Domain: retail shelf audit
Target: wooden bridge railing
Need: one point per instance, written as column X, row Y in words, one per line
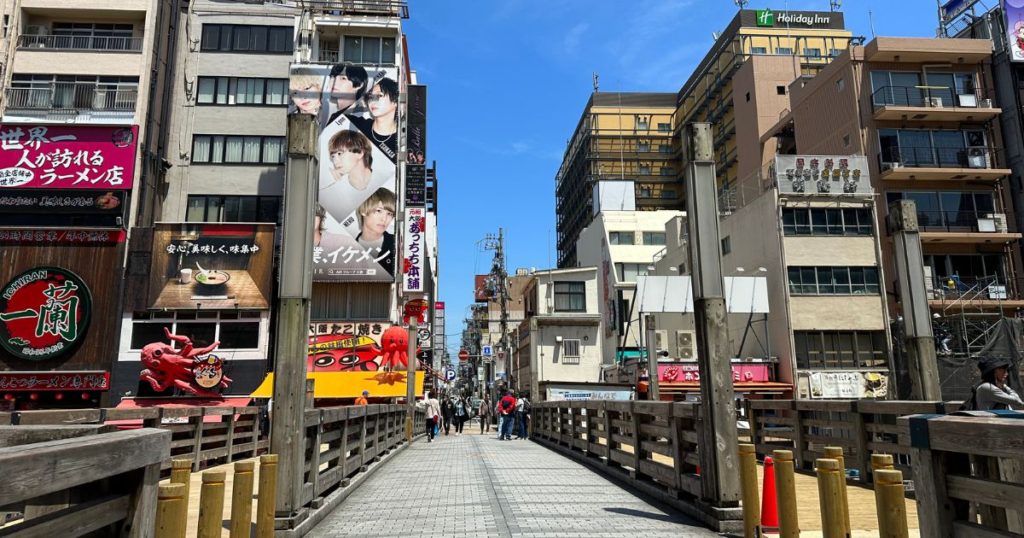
column 651, row 445
column 960, row 461
column 73, row 481
column 861, row 427
column 206, row 435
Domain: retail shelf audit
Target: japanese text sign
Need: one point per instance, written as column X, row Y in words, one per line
column 44, row 313
column 67, row 157
column 414, row 250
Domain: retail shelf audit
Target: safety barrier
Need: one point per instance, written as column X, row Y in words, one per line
column 78, row 480
column 205, row 435
column 650, row 446
column 860, row 427
column 968, row 473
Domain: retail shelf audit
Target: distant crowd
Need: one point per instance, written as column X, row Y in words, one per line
column 512, row 413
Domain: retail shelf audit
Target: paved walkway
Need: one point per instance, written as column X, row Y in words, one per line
column 475, row 485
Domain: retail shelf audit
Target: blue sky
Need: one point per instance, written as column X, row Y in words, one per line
column 508, row 80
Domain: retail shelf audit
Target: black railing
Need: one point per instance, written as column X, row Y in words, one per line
column 394, row 8
column 939, row 157
column 74, row 42
column 961, row 221
column 74, row 96
column 930, row 97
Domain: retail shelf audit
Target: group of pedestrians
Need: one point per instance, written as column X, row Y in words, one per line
column 451, row 410
column 513, row 416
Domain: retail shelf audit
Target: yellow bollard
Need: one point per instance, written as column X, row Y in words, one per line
column 881, row 461
column 181, row 473
column 836, row 453
column 268, row 491
column 211, row 504
column 171, row 507
column 785, row 494
column 241, row 499
column 751, row 502
column 892, row 510
column 830, row 492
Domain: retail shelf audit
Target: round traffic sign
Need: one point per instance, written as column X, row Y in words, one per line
column 463, row 355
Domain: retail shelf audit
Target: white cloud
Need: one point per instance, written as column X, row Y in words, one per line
column 571, row 41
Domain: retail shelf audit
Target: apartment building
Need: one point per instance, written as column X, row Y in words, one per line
column 922, row 112
column 796, row 42
column 620, row 138
column 84, row 111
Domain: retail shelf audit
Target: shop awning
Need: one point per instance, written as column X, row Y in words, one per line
column 350, row 384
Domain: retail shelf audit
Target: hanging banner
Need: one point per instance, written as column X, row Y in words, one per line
column 414, row 253
column 67, row 157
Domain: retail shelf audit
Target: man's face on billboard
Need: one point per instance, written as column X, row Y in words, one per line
column 345, row 160
column 380, row 104
column 344, row 91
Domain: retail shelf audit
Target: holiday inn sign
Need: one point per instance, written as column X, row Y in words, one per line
column 768, row 18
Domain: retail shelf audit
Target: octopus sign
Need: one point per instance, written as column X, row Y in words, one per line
column 67, row 157
column 44, row 313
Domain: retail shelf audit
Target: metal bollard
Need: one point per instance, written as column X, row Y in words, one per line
column 785, row 492
column 241, row 499
column 836, row 453
column 892, row 510
column 211, row 504
column 881, row 461
column 171, row 508
column 751, row 503
column 181, row 473
column 830, row 492
column 267, row 496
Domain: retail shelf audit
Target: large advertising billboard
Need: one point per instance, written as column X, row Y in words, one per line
column 1014, row 10
column 67, row 157
column 354, row 223
column 834, row 175
column 210, row 266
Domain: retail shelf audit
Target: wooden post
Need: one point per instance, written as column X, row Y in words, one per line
column 935, row 513
column 836, row 453
column 830, row 491
column 211, row 504
column 860, row 439
column 343, row 423
column 608, row 435
column 889, row 503
column 785, row 494
column 230, row 444
column 751, row 502
column 798, row 437
column 241, row 499
column 267, row 493
column 635, row 439
column 880, row 462
column 181, row 473
column 197, row 444
column 171, row 511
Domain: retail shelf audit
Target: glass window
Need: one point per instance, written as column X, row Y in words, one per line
column 211, row 37
column 665, row 127
column 570, row 297
column 201, row 149
column 840, row 349
column 196, row 209
column 147, row 333
column 353, row 49
column 207, row 88
column 758, row 50
column 643, row 147
column 280, row 39
column 371, row 50
column 812, row 52
column 654, row 238
column 784, row 50
column 387, row 50
column 239, row 335
column 621, row 238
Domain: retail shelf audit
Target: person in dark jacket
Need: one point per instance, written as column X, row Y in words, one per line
column 447, row 412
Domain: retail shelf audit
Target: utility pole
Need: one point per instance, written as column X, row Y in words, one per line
column 499, row 285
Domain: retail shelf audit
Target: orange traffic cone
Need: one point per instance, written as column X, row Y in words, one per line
column 769, row 506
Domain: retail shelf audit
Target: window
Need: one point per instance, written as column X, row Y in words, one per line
column 246, row 38
column 212, row 208
column 242, row 91
column 668, row 194
column 726, row 245
column 665, row 127
column 233, row 149
column 781, row 90
column 570, row 297
column 834, row 52
column 233, row 329
column 645, row 169
column 643, row 147
column 840, row 349
column 833, row 280
column 571, row 351
column 621, row 238
column 812, row 53
column 369, row 50
column 654, row 238
column 642, row 123
column 667, row 171
column 629, row 271
column 95, row 36
column 826, row 221
column 758, row 50
column 784, row 50
column 948, row 210
column 644, row 192
column 665, row 148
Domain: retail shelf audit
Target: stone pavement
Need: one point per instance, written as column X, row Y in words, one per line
column 475, row 485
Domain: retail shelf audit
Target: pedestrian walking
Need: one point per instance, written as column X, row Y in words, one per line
column 461, row 414
column 522, row 411
column 506, row 410
column 993, row 392
column 447, row 412
column 361, row 400
column 433, row 410
column 485, row 415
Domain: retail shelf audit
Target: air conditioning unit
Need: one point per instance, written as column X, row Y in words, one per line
column 660, row 341
column 985, row 103
column 977, row 158
column 934, row 102
column 686, row 344
column 967, row 100
column 1000, row 221
column 887, row 166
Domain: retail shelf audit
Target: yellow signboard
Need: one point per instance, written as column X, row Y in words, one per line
column 350, row 384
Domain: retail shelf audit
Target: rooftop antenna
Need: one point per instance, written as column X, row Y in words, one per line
column 742, row 4
column 871, row 23
column 596, row 84
column 835, row 5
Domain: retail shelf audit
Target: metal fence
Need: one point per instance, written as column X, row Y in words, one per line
column 73, row 96
column 81, row 42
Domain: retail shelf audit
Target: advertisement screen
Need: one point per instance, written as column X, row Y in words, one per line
column 1014, row 10
column 67, row 157
column 212, row 266
column 354, row 222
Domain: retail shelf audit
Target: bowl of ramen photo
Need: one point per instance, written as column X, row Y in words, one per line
column 208, row 278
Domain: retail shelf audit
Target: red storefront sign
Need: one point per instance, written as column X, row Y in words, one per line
column 44, row 313
column 54, row 381
column 690, row 373
column 67, row 157
column 62, row 236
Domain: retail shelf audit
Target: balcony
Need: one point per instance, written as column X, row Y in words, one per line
column 932, row 103
column 974, row 293
column 71, row 101
column 81, row 43
column 964, row 227
column 390, row 8
column 938, row 163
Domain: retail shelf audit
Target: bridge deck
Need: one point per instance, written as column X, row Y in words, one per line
column 474, row 485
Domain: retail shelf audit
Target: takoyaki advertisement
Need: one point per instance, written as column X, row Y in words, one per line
column 354, row 222
column 346, row 346
column 212, row 266
column 849, row 385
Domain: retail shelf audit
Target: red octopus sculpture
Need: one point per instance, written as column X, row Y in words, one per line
column 166, row 367
column 395, row 357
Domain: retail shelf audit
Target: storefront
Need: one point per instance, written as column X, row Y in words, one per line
column 680, row 381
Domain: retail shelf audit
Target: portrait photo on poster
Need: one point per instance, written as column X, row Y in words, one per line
column 354, row 221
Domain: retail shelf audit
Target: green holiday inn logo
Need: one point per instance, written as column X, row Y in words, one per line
column 765, row 17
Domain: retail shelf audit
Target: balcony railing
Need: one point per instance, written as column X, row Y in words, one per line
column 394, row 8
column 962, row 221
column 68, row 42
column 939, row 157
column 930, row 97
column 328, row 56
column 74, row 96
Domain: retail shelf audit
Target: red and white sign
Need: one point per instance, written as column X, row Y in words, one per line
column 439, row 305
column 67, row 157
column 688, row 372
column 99, row 380
column 463, row 355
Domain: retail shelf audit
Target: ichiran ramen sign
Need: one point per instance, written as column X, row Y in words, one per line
column 44, row 313
column 823, row 174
